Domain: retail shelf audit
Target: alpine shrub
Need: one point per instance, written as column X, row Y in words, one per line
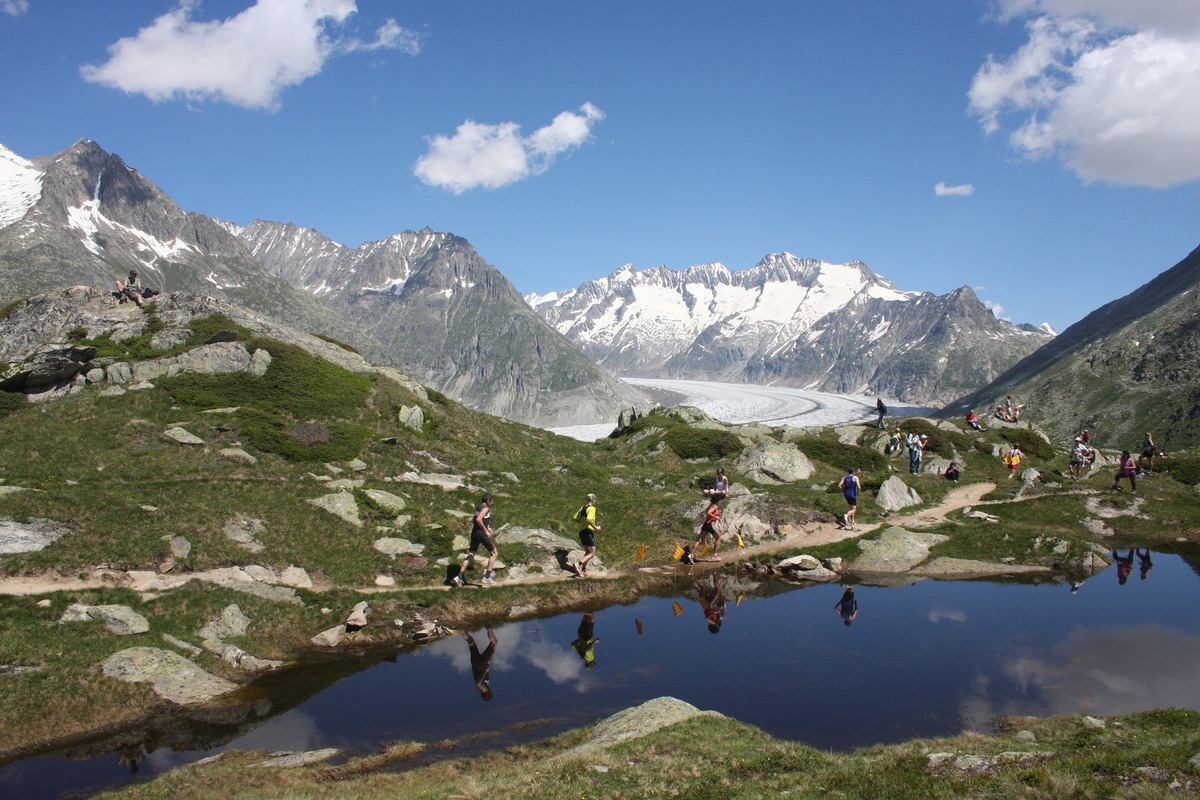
column 702, row 442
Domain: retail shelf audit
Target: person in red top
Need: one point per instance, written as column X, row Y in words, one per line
column 712, row 519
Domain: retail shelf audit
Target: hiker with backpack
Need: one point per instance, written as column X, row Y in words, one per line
column 587, row 535
column 882, row 409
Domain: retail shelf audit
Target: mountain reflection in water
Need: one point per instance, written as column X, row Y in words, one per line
column 928, row 659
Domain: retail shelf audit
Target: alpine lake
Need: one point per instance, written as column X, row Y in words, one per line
column 926, row 659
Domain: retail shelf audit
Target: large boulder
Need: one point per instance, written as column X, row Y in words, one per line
column 169, row 674
column 896, row 550
column 894, row 494
column 772, row 463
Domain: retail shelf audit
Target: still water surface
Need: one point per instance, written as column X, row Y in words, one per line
column 929, row 659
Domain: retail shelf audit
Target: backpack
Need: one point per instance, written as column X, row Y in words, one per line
column 581, row 514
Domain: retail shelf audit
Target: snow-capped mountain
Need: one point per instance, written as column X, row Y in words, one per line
column 83, row 216
column 787, row 320
column 432, row 300
column 426, row 302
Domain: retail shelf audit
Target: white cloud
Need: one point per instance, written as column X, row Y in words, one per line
column 14, row 7
column 492, row 156
column 246, row 60
column 997, row 310
column 943, row 189
column 1110, row 87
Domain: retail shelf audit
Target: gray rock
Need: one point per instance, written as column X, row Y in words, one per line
column 341, row 504
column 894, row 494
column 773, row 463
column 170, row 675
column 803, row 561
column 358, row 615
column 636, row 722
column 121, row 620
column 245, row 531
column 896, row 550
column 232, row 623
column 238, row 454
column 1095, row 722
column 30, row 536
column 395, row 546
column 390, row 503
column 259, row 362
column 118, row 373
column 182, row 436
column 181, row 548
column 330, row 637
column 186, row 647
column 304, row 759
column 412, row 417
column 295, row 577
column 356, row 465
column 166, row 339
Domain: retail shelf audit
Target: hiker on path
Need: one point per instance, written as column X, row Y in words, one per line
column 847, row 606
column 850, row 486
column 481, row 663
column 1125, row 469
column 712, row 602
column 585, row 641
column 882, row 409
column 587, row 535
column 1013, row 459
column 720, row 487
column 1079, row 457
column 481, row 535
column 710, row 527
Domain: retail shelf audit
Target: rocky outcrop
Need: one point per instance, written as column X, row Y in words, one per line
column 773, row 463
column 636, row 722
column 170, row 675
column 118, row 619
column 894, row 494
column 896, row 550
column 29, row 536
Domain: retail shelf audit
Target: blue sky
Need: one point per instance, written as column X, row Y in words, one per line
column 567, row 139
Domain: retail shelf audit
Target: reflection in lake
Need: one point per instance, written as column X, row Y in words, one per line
column 928, row 659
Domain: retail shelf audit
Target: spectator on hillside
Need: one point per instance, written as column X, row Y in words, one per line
column 1081, row 455
column 720, row 488
column 916, row 447
column 1149, row 449
column 131, row 288
column 882, row 409
column 953, row 473
column 973, row 420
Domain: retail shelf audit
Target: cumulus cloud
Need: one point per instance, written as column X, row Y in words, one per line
column 997, row 310
column 491, row 156
column 247, row 60
column 14, row 7
column 943, row 189
column 1110, row 87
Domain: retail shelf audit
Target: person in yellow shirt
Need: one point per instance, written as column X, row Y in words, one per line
column 587, row 535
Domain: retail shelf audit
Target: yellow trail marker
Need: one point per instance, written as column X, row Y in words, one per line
column 641, row 552
column 739, row 540
column 678, row 609
column 705, row 550
column 678, row 552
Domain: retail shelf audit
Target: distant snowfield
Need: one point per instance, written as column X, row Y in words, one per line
column 744, row 402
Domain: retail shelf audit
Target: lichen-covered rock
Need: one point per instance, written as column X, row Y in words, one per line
column 340, row 504
column 896, row 550
column 170, row 675
column 772, row 463
column 894, row 494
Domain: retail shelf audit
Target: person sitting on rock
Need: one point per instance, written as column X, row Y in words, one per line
column 973, row 420
column 953, row 473
column 131, row 288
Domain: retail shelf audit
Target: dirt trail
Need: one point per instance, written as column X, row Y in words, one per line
column 809, row 535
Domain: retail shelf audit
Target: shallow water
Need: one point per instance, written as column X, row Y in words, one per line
column 929, row 659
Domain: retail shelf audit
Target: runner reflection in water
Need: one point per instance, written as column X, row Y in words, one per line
column 847, row 607
column 1124, row 566
column 1144, row 563
column 585, row 644
column 481, row 663
column 712, row 601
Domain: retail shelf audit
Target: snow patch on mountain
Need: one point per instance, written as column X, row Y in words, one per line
column 20, row 186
